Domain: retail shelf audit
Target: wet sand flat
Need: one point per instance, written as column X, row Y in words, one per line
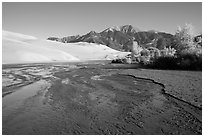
column 93, row 99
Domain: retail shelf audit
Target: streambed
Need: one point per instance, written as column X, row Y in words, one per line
column 83, row 100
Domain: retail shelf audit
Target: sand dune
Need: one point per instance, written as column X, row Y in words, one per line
column 19, row 48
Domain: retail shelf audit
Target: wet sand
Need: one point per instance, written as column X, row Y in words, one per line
column 93, row 99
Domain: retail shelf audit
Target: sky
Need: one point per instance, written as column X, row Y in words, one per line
column 43, row 20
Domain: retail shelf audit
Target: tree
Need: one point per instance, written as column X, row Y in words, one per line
column 136, row 48
column 184, row 38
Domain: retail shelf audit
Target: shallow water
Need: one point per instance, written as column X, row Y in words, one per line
column 18, row 97
column 23, row 106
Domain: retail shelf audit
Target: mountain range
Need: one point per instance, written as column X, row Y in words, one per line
column 122, row 38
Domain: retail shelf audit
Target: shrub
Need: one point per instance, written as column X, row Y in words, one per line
column 191, row 59
column 144, row 60
column 125, row 60
column 145, row 52
column 165, row 62
column 117, row 61
column 187, row 60
column 168, row 52
column 154, row 52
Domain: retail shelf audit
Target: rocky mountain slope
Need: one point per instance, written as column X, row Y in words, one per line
column 122, row 38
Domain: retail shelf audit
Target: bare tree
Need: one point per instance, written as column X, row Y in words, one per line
column 184, row 38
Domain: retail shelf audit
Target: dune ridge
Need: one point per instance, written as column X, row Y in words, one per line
column 20, row 48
